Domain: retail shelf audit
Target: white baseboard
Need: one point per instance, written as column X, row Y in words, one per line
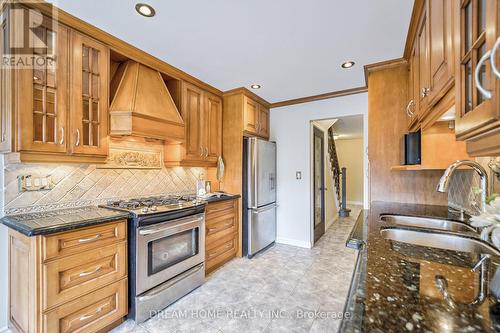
column 5, row 329
column 356, row 203
column 293, row 242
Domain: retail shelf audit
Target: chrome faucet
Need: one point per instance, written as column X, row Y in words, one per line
column 445, row 179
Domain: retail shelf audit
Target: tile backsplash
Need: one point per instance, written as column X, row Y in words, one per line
column 461, row 194
column 81, row 185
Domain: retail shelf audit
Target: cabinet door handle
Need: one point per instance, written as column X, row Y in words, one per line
column 408, row 107
column 206, row 152
column 82, row 274
column 485, row 92
column 62, row 136
column 85, row 317
column 77, row 143
column 201, row 151
column 493, row 59
column 90, row 239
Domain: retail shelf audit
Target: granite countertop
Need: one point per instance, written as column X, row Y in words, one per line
column 44, row 223
column 224, row 197
column 394, row 289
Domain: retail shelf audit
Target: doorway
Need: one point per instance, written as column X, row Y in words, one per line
column 319, row 183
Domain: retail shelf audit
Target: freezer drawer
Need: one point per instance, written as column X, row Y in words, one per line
column 261, row 228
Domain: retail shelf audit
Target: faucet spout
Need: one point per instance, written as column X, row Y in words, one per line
column 444, row 182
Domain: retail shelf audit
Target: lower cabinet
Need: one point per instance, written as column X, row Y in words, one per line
column 72, row 281
column 222, row 233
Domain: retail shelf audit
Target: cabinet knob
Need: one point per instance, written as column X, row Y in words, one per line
column 485, row 92
column 425, row 91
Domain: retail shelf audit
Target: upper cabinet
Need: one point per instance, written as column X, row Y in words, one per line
column 213, row 121
column 431, row 64
column 478, row 88
column 255, row 118
column 202, row 114
column 42, row 92
column 89, row 96
column 263, row 124
column 59, row 106
column 5, row 91
column 441, row 52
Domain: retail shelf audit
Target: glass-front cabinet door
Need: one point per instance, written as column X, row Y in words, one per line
column 41, row 94
column 89, row 96
column 477, row 88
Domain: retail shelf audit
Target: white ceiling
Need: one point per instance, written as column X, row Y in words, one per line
column 293, row 48
column 345, row 128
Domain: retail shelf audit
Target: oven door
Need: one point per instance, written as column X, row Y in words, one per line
column 167, row 249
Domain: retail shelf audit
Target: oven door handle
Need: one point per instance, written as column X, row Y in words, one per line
column 151, row 231
column 170, row 283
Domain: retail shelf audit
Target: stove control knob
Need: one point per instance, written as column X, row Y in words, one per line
column 145, row 210
column 154, row 208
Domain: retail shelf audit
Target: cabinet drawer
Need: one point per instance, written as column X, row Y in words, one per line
column 220, row 208
column 89, row 313
column 221, row 248
column 70, row 277
column 220, row 227
column 72, row 242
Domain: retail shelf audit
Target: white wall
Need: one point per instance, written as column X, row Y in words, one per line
column 4, row 267
column 291, row 129
column 350, row 153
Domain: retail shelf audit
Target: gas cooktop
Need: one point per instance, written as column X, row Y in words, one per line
column 153, row 205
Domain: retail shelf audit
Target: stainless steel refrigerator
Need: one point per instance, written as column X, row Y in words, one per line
column 259, row 195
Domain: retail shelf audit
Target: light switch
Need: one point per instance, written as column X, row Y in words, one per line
column 34, row 183
column 298, row 174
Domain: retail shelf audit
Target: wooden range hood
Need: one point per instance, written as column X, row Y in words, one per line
column 142, row 105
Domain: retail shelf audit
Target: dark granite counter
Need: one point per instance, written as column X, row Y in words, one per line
column 223, row 197
column 394, row 287
column 50, row 222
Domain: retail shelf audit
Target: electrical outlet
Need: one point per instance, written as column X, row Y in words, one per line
column 34, row 183
column 298, row 175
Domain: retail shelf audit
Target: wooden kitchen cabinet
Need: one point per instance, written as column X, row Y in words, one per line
column 202, row 115
column 221, row 234
column 89, row 96
column 59, row 107
column 255, row 118
column 250, row 116
column 263, row 123
column 42, row 97
column 213, row 124
column 5, row 89
column 73, row 281
column 430, row 64
column 478, row 116
column 413, row 103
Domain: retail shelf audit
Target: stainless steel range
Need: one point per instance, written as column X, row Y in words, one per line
column 166, row 251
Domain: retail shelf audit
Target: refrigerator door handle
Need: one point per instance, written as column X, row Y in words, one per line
column 263, row 209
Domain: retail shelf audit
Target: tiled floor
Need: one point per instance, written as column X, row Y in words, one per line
column 285, row 289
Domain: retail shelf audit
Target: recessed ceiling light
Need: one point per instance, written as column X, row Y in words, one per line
column 347, row 64
column 145, row 10
column 255, row 86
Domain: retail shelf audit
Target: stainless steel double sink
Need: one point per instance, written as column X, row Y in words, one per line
column 436, row 233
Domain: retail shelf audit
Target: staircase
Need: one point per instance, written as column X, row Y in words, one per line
column 337, row 173
column 334, row 164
